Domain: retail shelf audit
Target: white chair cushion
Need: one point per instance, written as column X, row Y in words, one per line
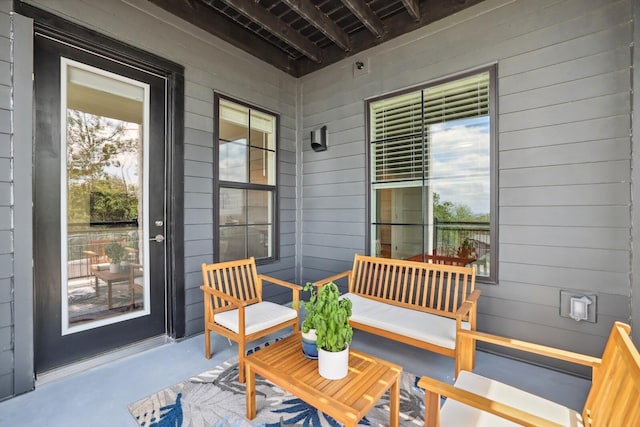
column 257, row 317
column 454, row 413
column 438, row 330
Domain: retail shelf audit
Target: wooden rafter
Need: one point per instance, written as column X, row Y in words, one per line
column 318, row 19
column 277, row 27
column 213, row 22
column 413, row 7
column 363, row 12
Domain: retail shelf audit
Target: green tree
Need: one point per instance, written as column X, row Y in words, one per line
column 94, row 144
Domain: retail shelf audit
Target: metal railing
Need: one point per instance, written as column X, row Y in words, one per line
column 84, row 239
column 462, row 239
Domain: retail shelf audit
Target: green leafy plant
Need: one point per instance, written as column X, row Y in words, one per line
column 332, row 319
column 309, row 306
column 115, row 252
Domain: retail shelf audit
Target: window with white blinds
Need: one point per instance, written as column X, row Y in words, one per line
column 400, row 125
column 432, row 185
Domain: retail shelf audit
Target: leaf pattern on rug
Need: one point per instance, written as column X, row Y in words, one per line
column 216, row 398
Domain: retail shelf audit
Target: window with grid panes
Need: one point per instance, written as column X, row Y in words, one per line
column 432, row 188
column 246, row 181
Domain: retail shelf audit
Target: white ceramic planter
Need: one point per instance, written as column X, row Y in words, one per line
column 114, row 268
column 333, row 366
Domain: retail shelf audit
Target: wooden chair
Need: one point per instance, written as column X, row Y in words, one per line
column 478, row 401
column 233, row 305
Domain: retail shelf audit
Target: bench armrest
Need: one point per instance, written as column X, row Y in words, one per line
column 434, row 389
column 469, row 306
column 333, row 278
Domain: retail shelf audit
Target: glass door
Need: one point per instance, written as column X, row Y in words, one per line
column 99, row 182
column 103, row 189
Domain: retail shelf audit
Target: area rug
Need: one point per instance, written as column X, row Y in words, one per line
column 216, row 399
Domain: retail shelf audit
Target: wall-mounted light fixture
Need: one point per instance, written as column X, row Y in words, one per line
column 319, row 139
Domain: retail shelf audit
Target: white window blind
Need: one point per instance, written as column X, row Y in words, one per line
column 399, row 125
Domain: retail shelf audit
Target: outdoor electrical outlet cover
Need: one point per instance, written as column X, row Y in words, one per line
column 579, row 301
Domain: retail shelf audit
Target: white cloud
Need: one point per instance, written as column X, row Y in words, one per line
column 461, row 164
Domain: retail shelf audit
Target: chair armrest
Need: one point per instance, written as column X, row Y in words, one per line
column 439, row 388
column 222, row 295
column 333, row 278
column 280, row 282
column 295, row 289
column 556, row 353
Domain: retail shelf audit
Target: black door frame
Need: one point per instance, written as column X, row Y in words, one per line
column 81, row 37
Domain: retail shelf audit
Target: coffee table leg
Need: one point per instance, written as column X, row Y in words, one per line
column 394, row 403
column 250, row 391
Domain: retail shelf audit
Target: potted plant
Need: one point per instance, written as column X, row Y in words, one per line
column 308, row 325
column 333, row 332
column 116, row 253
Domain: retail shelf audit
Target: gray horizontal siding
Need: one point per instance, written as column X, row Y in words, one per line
column 564, row 155
column 7, row 343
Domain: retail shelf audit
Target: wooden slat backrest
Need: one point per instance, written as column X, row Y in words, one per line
column 614, row 398
column 428, row 287
column 238, row 279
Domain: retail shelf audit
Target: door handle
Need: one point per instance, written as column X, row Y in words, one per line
column 159, row 238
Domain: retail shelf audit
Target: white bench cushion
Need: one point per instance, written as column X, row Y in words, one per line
column 438, row 330
column 454, row 413
column 257, row 317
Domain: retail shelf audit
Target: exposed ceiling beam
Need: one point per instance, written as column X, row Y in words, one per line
column 215, row 23
column 318, row 19
column 413, row 7
column 363, row 12
column 280, row 29
column 401, row 23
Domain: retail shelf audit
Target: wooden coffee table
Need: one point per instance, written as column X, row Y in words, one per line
column 347, row 400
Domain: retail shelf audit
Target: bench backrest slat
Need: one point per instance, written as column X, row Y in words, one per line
column 412, row 284
column 238, row 279
column 613, row 398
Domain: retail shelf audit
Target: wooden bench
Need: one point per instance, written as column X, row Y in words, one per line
column 417, row 303
column 478, row 401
